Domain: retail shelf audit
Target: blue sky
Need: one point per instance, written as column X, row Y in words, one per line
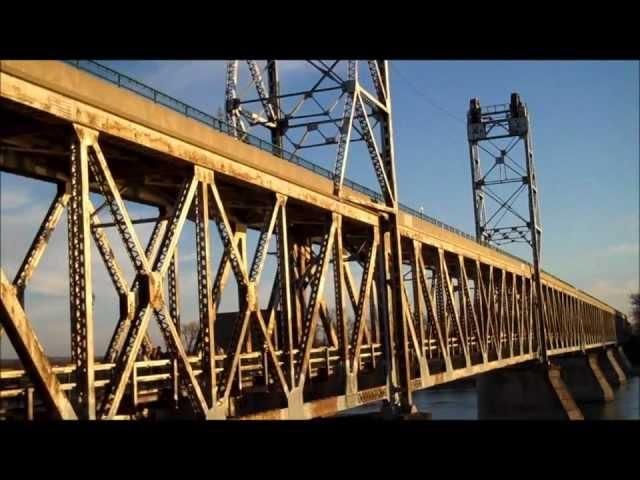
column 585, row 133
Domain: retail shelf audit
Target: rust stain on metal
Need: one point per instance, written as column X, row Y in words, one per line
column 372, row 395
column 270, row 352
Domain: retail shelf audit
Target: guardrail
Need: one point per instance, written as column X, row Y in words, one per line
column 499, row 108
column 153, row 375
column 124, row 81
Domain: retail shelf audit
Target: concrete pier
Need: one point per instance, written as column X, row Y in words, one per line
column 584, row 378
column 610, row 367
column 623, row 361
column 526, row 393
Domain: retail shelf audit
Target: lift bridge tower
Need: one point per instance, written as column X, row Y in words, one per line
column 340, row 112
column 502, row 216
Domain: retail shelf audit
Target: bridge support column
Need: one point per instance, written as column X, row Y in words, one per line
column 295, row 401
column 525, row 392
column 584, row 378
column 217, row 412
column 611, row 368
column 624, row 362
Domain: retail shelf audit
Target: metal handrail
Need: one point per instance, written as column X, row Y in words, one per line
column 502, row 107
column 124, row 81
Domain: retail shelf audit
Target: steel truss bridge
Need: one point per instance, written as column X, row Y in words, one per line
column 433, row 304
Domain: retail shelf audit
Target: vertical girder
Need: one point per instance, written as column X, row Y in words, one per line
column 339, row 289
column 284, row 285
column 206, row 308
column 80, row 285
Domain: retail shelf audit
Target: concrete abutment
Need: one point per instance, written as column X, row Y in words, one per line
column 623, row 361
column 610, row 367
column 526, row 392
column 584, row 378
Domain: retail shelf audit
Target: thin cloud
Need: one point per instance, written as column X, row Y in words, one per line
column 14, row 199
column 615, row 293
column 606, row 287
column 623, row 249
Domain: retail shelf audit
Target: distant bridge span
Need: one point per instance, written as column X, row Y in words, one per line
column 469, row 305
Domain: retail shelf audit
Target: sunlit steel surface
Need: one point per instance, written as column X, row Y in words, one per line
column 430, row 305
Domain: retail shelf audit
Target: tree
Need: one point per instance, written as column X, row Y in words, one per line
column 189, row 334
column 635, row 312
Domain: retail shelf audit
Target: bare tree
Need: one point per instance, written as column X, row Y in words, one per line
column 322, row 337
column 635, row 313
column 189, row 334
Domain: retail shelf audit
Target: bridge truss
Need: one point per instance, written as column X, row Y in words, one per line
column 511, row 125
column 427, row 306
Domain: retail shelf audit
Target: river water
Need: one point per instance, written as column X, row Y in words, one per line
column 461, row 403
column 625, row 405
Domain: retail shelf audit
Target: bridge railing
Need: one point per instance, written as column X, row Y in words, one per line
column 126, row 82
column 154, row 376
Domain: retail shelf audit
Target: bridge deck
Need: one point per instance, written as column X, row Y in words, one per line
column 475, row 305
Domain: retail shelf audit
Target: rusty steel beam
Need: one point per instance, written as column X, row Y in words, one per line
column 476, row 302
column 206, row 307
column 434, row 315
column 127, row 306
column 351, row 290
column 365, row 288
column 173, row 287
column 149, row 293
column 311, row 313
column 339, row 288
column 285, row 288
column 23, row 338
column 80, row 284
column 41, row 240
column 451, row 306
column 417, row 298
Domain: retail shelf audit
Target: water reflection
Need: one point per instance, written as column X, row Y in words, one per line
column 625, row 405
column 449, row 404
column 461, row 403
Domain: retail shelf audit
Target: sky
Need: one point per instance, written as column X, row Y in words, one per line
column 585, row 119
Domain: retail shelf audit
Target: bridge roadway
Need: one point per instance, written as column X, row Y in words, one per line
column 469, row 305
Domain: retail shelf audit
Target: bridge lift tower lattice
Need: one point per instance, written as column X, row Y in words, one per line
column 342, row 104
column 499, row 131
